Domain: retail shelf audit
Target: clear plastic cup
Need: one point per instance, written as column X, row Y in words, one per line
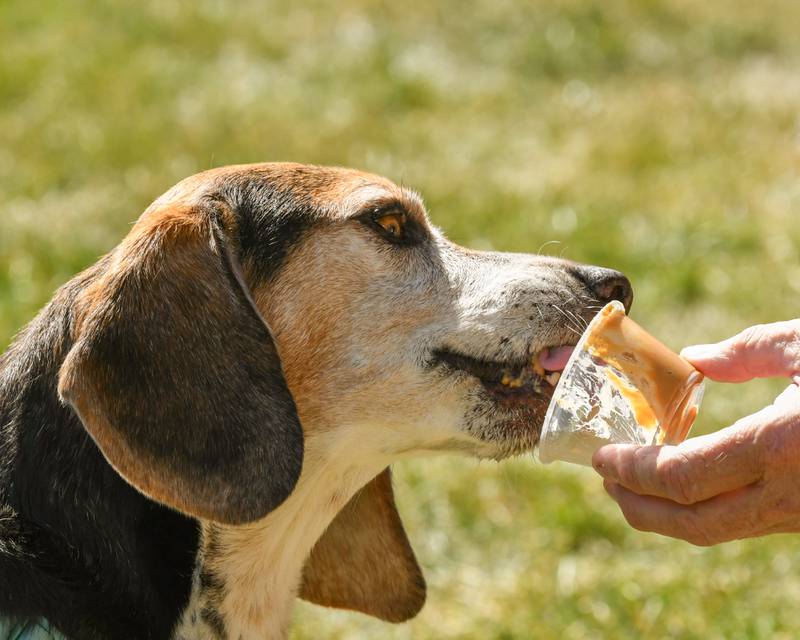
column 621, row 385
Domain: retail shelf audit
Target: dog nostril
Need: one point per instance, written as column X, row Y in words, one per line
column 607, row 285
column 619, row 292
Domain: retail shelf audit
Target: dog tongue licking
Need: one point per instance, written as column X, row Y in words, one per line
column 551, row 362
column 555, row 359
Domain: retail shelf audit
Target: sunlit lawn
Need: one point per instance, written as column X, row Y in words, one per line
column 658, row 137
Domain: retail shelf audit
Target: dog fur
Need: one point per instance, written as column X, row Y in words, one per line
column 199, row 428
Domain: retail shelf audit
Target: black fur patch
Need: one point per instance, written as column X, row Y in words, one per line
column 213, row 619
column 179, row 381
column 78, row 545
column 272, row 219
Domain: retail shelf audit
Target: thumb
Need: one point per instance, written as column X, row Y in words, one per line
column 762, row 351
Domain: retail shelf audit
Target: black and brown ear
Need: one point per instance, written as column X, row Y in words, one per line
column 177, row 378
column 364, row 561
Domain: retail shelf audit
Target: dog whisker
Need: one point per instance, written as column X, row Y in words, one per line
column 549, row 242
column 570, row 321
column 562, row 311
column 575, row 331
column 581, row 321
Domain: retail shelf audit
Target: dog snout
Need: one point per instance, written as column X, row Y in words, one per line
column 607, row 285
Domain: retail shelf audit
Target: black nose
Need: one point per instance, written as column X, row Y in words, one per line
column 607, row 285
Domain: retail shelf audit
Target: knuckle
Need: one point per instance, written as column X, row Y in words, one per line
column 753, row 521
column 630, row 471
column 771, row 446
column 775, row 508
column 635, row 518
column 694, row 530
column 777, row 502
column 634, row 515
column 749, row 339
column 747, row 343
column 765, row 441
column 676, row 477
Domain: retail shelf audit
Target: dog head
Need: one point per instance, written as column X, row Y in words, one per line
column 388, row 329
column 255, row 311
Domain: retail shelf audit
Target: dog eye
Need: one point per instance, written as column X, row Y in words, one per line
column 393, row 224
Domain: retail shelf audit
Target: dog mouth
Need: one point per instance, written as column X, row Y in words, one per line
column 512, row 382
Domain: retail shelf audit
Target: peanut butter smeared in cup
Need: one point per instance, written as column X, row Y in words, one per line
column 621, row 385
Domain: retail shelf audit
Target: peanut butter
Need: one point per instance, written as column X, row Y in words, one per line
column 620, row 385
column 656, row 382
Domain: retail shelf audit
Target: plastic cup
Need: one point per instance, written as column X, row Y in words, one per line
column 620, row 385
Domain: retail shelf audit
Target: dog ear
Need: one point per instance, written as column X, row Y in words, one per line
column 364, row 560
column 176, row 376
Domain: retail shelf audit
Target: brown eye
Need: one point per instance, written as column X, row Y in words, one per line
column 392, row 224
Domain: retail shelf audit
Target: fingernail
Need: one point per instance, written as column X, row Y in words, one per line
column 600, row 461
column 699, row 351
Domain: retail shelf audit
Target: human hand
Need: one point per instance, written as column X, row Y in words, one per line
column 742, row 481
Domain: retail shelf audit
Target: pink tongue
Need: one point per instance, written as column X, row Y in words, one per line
column 555, row 359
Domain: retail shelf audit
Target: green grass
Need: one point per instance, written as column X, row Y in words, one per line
column 660, row 137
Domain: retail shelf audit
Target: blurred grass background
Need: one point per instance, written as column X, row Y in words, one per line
column 660, row 137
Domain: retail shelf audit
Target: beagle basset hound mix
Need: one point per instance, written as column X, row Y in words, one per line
column 198, row 429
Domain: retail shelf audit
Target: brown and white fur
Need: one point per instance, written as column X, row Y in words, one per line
column 391, row 340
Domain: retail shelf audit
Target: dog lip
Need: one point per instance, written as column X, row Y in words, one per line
column 483, row 369
column 503, row 379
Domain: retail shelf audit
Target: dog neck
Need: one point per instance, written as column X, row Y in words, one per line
column 247, row 577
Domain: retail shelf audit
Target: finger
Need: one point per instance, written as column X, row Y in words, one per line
column 730, row 516
column 789, row 399
column 696, row 469
column 762, row 351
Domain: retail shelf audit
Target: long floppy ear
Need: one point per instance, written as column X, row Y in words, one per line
column 176, row 377
column 364, row 561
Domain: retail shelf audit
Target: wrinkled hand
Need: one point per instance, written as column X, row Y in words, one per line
column 739, row 482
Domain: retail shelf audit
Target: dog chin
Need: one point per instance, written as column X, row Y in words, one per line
column 507, row 433
column 505, row 401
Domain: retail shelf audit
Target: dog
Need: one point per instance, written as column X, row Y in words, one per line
column 199, row 428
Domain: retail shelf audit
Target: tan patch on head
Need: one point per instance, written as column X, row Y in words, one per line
column 338, row 192
column 331, row 307
column 331, row 188
column 340, row 329
column 335, row 191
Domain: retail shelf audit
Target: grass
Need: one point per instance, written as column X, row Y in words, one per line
column 659, row 137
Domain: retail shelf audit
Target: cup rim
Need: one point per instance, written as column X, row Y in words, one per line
column 676, row 431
